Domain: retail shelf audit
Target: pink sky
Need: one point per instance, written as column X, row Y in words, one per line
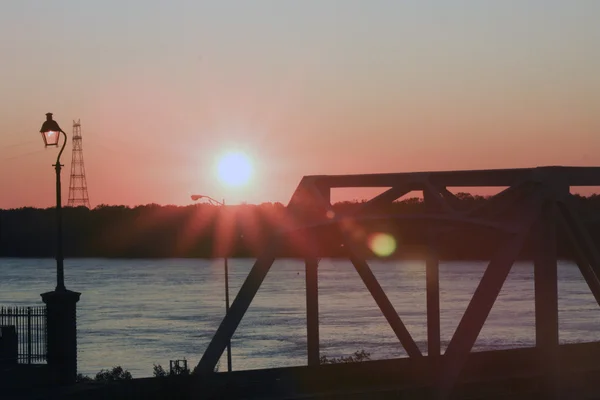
column 303, row 88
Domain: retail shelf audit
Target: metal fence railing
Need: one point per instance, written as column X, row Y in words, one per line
column 27, row 327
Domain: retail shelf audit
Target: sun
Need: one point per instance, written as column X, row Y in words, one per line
column 234, row 169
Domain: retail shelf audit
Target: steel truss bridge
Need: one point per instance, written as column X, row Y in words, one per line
column 534, row 204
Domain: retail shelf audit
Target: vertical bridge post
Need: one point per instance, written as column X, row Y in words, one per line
column 433, row 203
column 312, row 311
column 546, row 298
column 432, row 277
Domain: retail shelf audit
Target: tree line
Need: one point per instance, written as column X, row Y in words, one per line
column 207, row 231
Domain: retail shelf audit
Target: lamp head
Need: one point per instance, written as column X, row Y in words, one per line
column 50, row 131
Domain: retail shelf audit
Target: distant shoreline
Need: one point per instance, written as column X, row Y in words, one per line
column 392, row 259
column 210, row 232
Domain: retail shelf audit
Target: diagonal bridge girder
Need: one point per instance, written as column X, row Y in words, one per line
column 310, row 209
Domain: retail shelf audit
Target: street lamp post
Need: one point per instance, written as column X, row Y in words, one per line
column 196, row 197
column 61, row 304
column 51, row 134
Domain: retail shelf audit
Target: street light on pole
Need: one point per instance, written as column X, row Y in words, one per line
column 51, row 133
column 196, row 197
column 61, row 304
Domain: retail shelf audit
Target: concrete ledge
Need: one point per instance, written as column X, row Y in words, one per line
column 505, row 374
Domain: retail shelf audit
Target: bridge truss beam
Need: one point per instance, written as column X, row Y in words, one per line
column 533, row 200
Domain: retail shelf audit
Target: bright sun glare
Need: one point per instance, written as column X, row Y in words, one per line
column 234, row 169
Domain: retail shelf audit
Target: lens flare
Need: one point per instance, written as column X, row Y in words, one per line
column 382, row 244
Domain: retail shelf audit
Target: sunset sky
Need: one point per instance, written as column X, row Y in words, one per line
column 163, row 88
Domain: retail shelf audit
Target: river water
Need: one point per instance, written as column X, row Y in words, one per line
column 136, row 313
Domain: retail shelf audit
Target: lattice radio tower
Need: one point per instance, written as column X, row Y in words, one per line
column 78, row 194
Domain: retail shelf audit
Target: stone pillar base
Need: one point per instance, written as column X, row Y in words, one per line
column 62, row 333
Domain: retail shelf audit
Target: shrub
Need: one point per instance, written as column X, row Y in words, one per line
column 105, row 375
column 159, row 371
column 115, row 374
column 358, row 356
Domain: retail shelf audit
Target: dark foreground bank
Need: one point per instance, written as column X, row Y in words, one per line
column 503, row 374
